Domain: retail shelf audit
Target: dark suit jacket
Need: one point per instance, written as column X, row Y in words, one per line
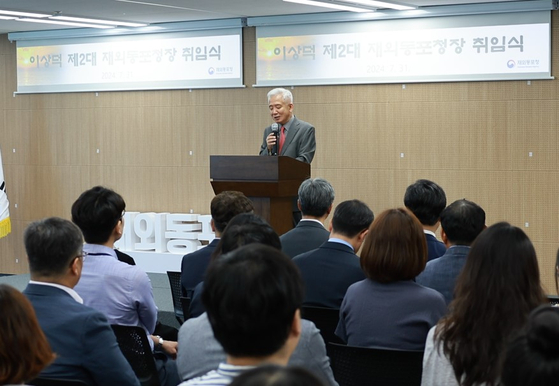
column 440, row 274
column 435, row 248
column 196, row 306
column 306, row 236
column 327, row 272
column 82, row 339
column 194, row 266
column 299, row 143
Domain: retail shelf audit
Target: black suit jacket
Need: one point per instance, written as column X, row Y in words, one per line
column 194, row 266
column 306, row 236
column 327, row 272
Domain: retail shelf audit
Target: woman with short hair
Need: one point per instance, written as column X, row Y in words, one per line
column 388, row 309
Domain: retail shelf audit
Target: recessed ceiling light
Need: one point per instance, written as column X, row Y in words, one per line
column 381, row 4
column 97, row 21
column 156, row 5
column 64, row 23
column 329, row 5
column 25, row 14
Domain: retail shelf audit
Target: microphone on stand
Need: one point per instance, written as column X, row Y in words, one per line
column 275, row 130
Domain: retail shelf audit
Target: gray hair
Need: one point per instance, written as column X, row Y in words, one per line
column 51, row 245
column 316, row 196
column 285, row 95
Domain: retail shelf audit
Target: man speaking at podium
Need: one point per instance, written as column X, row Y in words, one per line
column 288, row 135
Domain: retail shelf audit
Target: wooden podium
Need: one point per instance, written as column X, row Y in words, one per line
column 270, row 182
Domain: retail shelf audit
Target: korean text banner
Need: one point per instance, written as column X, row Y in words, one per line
column 207, row 59
column 438, row 49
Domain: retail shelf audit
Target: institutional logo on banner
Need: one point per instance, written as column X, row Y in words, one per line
column 5, row 224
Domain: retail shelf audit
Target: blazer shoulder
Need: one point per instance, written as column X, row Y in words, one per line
column 199, row 254
column 310, row 224
column 301, row 124
column 303, row 256
column 338, row 247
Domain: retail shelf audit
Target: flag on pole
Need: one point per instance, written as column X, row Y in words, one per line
column 5, row 224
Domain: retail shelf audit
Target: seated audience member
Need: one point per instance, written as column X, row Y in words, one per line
column 388, row 309
column 532, row 358
column 329, row 270
column 461, row 222
column 496, row 290
column 85, row 345
column 122, row 292
column 252, row 296
column 24, row 349
column 315, row 198
column 243, row 229
column 223, row 208
column 199, row 351
column 273, row 375
column 426, row 200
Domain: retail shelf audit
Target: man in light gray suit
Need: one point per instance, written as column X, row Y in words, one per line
column 295, row 137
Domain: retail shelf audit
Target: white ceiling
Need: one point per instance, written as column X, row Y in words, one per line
column 162, row 11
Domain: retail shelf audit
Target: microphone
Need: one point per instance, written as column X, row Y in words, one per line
column 275, row 130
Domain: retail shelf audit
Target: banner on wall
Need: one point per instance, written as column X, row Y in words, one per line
column 438, row 49
column 200, row 59
column 5, row 224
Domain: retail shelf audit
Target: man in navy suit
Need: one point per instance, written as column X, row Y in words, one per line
column 329, row 270
column 461, row 222
column 315, row 198
column 223, row 208
column 84, row 343
column 426, row 200
column 296, row 137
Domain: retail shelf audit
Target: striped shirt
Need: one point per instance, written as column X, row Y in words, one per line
column 222, row 376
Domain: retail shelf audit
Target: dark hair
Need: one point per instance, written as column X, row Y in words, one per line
column 97, row 211
column 395, row 248
column 316, row 196
column 496, row 290
column 462, row 221
column 251, row 295
column 426, row 200
column 532, row 358
column 244, row 229
column 227, row 205
column 24, row 349
column 274, row 375
column 51, row 245
column 351, row 217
